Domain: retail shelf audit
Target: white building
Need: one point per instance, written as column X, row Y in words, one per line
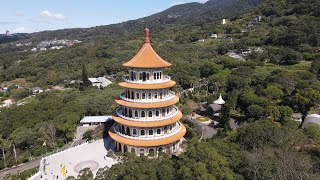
column 214, row 36
column 94, row 120
column 311, row 119
column 100, row 82
column 224, row 21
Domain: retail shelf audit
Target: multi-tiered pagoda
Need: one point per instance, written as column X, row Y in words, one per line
column 147, row 121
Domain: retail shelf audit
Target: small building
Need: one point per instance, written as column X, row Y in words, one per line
column 94, row 120
column 7, row 102
column 224, row 21
column 36, row 90
column 297, row 117
column 311, row 119
column 214, row 36
column 201, row 40
column 219, row 101
column 100, row 82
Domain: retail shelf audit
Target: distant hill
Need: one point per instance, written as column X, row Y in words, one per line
column 190, row 13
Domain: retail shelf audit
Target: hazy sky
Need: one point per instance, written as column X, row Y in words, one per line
column 39, row 15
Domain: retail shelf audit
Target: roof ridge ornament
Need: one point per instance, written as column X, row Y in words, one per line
column 146, row 35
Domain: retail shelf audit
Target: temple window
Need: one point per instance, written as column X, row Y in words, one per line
column 158, row 131
column 157, row 113
column 143, row 114
column 134, row 131
column 150, row 114
column 136, row 114
column 142, row 132
column 138, row 95
column 149, row 95
column 143, row 95
column 150, row 132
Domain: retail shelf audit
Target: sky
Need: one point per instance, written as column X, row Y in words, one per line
column 25, row 16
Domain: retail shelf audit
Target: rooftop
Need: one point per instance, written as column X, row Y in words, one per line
column 147, row 57
column 95, row 119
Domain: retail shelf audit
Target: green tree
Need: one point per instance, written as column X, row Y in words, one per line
column 85, row 80
column 88, row 135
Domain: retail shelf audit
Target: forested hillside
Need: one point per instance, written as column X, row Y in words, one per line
column 275, row 73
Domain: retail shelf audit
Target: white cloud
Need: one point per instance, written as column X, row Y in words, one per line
column 54, row 16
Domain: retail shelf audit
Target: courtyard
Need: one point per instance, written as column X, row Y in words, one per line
column 88, row 155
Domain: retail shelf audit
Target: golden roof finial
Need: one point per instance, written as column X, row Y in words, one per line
column 146, row 35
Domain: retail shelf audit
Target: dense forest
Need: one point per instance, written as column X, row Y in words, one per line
column 262, row 92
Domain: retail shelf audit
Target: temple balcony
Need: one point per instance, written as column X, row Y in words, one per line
column 172, row 113
column 148, row 99
column 146, row 136
column 127, row 79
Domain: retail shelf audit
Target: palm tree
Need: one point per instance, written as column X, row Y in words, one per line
column 3, row 144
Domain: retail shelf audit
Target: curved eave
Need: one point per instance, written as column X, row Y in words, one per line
column 147, row 123
column 147, row 58
column 148, row 143
column 148, row 86
column 170, row 102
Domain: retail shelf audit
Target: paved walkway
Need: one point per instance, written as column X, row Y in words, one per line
column 91, row 155
column 207, row 130
column 35, row 163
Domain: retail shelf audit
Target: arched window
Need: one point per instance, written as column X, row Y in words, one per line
column 142, row 132
column 168, row 110
column 150, row 114
column 143, row 114
column 158, row 131
column 133, row 150
column 128, row 131
column 134, row 75
column 160, row 149
column 170, row 127
column 150, row 132
column 160, row 94
column 157, row 113
column 144, row 76
column 122, row 129
column 125, row 148
column 138, row 95
column 130, row 113
column 163, row 112
column 134, row 131
column 151, row 152
column 136, row 114
column 156, row 95
column 148, row 76
column 141, row 152
column 143, row 95
column 154, row 75
column 149, row 96
column 131, row 75
column 132, row 95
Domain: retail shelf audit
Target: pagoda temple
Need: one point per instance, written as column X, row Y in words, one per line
column 147, row 120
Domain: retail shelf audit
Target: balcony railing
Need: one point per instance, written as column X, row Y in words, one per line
column 148, row 119
column 166, row 78
column 146, row 100
column 153, row 137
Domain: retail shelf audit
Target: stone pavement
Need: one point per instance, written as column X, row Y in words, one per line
column 92, row 155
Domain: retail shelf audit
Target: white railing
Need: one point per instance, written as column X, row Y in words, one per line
column 166, row 78
column 154, row 137
column 168, row 97
column 148, row 119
